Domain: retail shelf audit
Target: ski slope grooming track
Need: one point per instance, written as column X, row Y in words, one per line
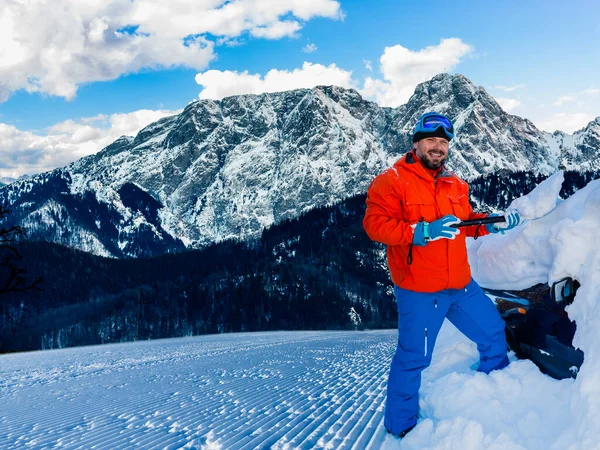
column 281, row 390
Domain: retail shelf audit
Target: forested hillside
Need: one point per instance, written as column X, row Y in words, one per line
column 319, row 271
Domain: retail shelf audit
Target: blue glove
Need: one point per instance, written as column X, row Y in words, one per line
column 512, row 220
column 439, row 229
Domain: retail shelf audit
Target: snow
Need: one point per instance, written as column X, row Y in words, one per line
column 563, row 242
column 254, row 390
column 288, row 390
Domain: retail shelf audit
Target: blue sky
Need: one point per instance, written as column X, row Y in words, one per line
column 74, row 78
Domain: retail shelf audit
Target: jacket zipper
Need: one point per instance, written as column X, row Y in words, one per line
column 425, row 342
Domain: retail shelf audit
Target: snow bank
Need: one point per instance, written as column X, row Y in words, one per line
column 517, row 408
column 565, row 241
column 541, row 200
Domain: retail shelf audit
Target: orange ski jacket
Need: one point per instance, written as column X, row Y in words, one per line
column 406, row 194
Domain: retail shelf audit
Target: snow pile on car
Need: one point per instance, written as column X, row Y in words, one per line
column 563, row 241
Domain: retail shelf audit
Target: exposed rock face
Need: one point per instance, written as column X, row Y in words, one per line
column 227, row 169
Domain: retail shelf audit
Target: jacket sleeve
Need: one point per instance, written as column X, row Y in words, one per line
column 474, row 230
column 384, row 209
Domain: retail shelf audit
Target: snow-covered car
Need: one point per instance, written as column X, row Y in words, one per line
column 538, row 327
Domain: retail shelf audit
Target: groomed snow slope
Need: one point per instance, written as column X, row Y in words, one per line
column 268, row 390
column 256, row 390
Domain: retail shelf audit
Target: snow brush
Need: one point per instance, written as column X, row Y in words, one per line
column 482, row 221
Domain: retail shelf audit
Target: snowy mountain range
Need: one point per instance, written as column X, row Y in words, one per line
column 229, row 168
column 8, row 180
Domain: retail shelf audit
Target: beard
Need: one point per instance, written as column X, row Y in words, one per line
column 430, row 164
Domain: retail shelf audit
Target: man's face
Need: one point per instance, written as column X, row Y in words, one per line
column 432, row 151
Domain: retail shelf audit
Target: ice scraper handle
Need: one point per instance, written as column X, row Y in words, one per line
column 482, row 221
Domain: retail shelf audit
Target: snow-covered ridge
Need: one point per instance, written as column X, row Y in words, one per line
column 229, row 168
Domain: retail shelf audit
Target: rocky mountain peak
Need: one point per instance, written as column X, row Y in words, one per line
column 593, row 126
column 230, row 168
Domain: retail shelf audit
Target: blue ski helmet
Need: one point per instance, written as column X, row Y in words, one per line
column 432, row 124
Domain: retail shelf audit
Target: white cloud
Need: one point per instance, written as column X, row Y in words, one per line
column 276, row 30
column 509, row 88
column 219, row 84
column 570, row 111
column 224, row 18
column 564, row 99
column 309, row 48
column 53, row 49
column 508, row 104
column 403, row 69
column 368, row 65
column 566, row 122
column 580, row 97
column 26, row 152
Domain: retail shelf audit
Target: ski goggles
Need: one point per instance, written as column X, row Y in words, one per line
column 430, row 122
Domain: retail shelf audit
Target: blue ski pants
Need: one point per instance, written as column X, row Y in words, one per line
column 420, row 317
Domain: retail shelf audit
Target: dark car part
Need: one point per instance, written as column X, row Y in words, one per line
column 538, row 327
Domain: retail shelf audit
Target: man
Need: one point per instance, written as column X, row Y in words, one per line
column 410, row 208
